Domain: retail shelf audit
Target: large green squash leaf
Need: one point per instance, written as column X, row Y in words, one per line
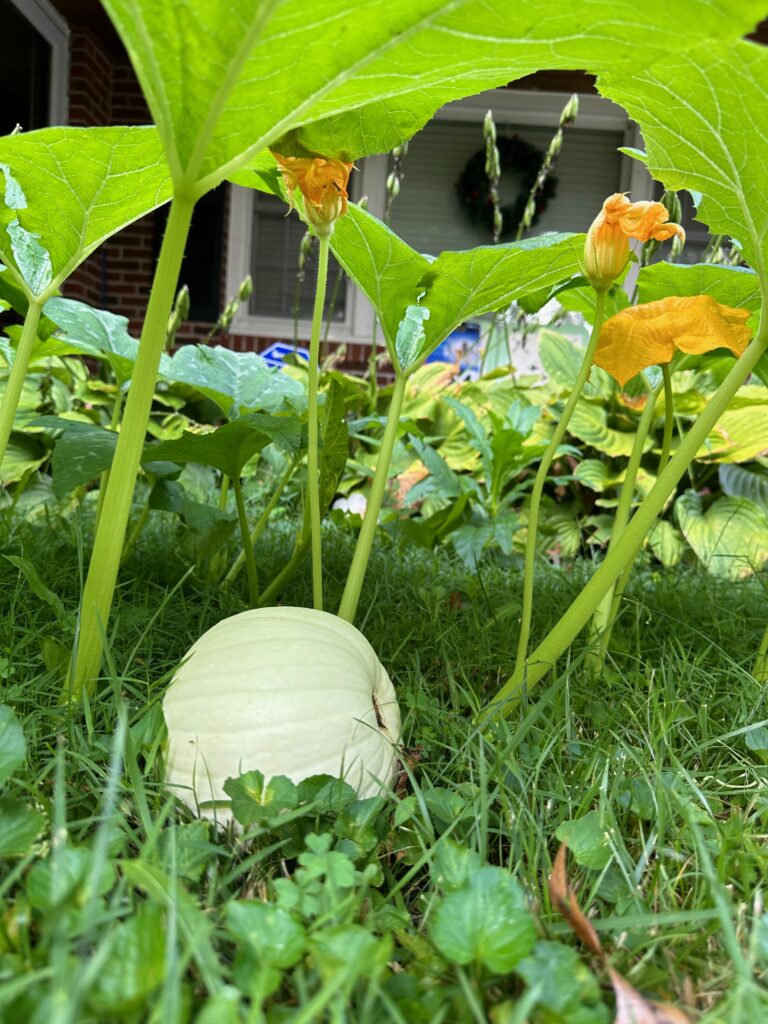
column 461, row 285
column 704, row 120
column 225, row 78
column 229, row 447
column 98, row 333
column 235, row 381
column 730, row 538
column 67, row 190
column 732, row 286
column 452, row 288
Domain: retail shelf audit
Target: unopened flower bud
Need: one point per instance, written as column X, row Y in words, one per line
column 489, row 127
column 555, row 145
column 671, row 203
column 492, row 163
column 182, row 303
column 305, row 248
column 245, row 290
column 677, row 247
column 570, row 111
column 393, row 184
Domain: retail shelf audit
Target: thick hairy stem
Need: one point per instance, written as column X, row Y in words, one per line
column 18, row 372
column 313, row 445
column 351, row 597
column 541, row 477
column 602, row 620
column 102, row 575
column 543, row 658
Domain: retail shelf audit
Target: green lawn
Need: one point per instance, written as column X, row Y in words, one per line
column 655, row 774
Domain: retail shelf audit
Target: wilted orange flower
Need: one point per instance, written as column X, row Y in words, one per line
column 323, row 183
column 649, row 334
column 606, row 249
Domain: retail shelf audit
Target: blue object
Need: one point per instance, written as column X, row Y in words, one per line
column 462, row 346
column 278, row 350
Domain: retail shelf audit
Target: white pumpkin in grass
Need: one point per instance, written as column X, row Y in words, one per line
column 287, row 691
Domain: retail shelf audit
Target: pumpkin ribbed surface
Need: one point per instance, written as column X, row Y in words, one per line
column 287, row 691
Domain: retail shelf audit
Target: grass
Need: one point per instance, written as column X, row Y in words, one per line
column 123, row 908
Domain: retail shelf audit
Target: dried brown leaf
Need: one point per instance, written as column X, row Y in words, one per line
column 631, row 1007
column 565, row 903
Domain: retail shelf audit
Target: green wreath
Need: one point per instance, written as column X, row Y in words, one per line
column 474, row 193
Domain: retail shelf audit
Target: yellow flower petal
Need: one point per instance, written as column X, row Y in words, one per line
column 647, row 335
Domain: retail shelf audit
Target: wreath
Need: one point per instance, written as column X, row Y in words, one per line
column 473, row 188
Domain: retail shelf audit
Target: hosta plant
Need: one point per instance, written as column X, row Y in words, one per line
column 285, row 691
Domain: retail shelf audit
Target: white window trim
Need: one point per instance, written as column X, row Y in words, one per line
column 54, row 29
column 509, row 106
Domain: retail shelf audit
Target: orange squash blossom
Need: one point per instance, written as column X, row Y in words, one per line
column 606, row 249
column 322, row 183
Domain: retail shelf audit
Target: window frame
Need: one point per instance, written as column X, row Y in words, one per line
column 43, row 17
column 510, row 106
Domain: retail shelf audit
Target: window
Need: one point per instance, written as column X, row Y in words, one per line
column 426, row 213
column 34, row 59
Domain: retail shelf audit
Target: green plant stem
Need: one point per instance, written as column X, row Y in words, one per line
column 18, row 372
column 541, row 477
column 669, row 417
column 287, row 572
column 250, row 561
column 313, row 441
column 354, row 584
column 602, row 620
column 99, row 587
column 543, row 658
column 114, row 425
column 261, row 524
column 223, row 492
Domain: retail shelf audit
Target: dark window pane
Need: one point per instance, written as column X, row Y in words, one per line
column 274, row 265
column 203, row 255
column 25, row 59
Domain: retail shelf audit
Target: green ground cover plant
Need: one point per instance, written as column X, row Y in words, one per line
column 307, row 899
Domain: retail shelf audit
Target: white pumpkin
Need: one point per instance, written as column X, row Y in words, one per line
column 287, row 691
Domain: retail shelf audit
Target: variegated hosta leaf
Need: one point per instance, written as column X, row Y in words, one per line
column 589, row 423
column 730, row 538
column 666, row 543
column 741, row 433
